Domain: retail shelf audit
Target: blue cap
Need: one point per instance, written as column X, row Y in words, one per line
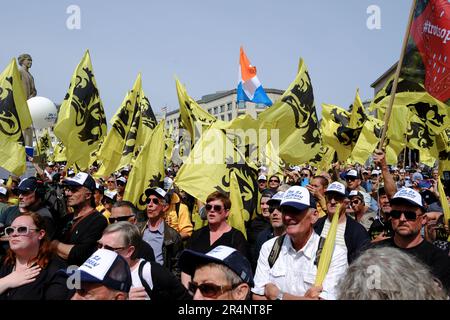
column 230, row 257
column 28, row 184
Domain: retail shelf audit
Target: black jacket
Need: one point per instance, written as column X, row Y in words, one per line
column 84, row 236
column 49, row 284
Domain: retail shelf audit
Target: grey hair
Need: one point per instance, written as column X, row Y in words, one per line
column 232, row 277
column 129, row 232
column 387, row 273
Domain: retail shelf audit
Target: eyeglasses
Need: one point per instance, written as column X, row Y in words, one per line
column 154, row 200
column 104, row 246
column 110, row 181
column 216, row 207
column 272, row 208
column 209, row 290
column 409, row 215
column 356, row 202
column 350, row 179
column 274, row 180
column 123, row 218
column 303, row 175
column 21, row 230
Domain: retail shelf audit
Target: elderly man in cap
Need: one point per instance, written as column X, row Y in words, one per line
column 262, row 182
column 164, row 240
column 287, row 265
column 407, row 218
column 220, row 274
column 103, row 276
column 350, row 235
column 84, row 226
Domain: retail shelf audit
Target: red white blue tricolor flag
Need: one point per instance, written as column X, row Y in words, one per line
column 249, row 87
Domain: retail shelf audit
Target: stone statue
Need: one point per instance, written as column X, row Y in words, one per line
column 25, row 63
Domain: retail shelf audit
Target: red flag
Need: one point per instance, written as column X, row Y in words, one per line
column 427, row 58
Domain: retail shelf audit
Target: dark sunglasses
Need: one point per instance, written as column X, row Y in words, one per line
column 274, row 180
column 409, row 215
column 272, row 208
column 336, row 196
column 21, row 230
column 356, row 202
column 209, row 290
column 104, row 246
column 154, row 200
column 123, row 218
column 304, row 175
column 350, row 179
column 216, row 207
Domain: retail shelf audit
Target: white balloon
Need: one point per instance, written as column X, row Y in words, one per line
column 43, row 112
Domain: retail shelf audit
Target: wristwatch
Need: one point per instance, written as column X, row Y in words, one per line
column 280, row 295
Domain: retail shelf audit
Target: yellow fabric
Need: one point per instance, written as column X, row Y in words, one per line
column 106, row 213
column 192, row 117
column 59, row 153
column 294, row 115
column 44, row 143
column 327, row 251
column 238, row 215
column 148, row 170
column 15, row 117
column 81, row 119
column 335, row 131
column 208, row 166
column 180, row 221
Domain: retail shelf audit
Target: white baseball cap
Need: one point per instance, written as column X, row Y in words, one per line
column 409, row 196
column 298, row 198
column 262, row 177
column 336, row 187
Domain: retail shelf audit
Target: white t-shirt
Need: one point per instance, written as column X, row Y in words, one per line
column 146, row 274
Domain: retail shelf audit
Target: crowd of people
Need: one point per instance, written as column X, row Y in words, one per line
column 66, row 235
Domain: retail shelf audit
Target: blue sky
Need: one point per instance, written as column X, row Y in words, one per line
column 199, row 40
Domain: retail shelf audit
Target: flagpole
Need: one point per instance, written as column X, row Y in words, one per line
column 387, row 115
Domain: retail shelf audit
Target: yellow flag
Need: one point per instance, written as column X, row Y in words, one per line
column 44, row 143
column 148, row 120
column 208, row 166
column 192, row 117
column 358, row 115
column 336, row 132
column 15, row 117
column 59, row 153
column 148, row 169
column 238, row 215
column 327, row 251
column 81, row 120
column 367, row 140
column 294, row 115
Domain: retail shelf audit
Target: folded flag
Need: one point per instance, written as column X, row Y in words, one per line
column 249, row 87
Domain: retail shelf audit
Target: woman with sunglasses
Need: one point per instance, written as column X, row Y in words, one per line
column 218, row 231
column 29, row 270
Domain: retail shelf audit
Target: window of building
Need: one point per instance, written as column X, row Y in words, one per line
column 216, row 110
column 229, row 106
column 241, row 104
column 230, row 116
column 222, row 117
column 221, row 108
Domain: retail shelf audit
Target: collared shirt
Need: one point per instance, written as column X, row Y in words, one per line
column 155, row 238
column 294, row 271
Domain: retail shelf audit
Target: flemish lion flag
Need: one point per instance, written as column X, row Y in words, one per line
column 14, row 117
column 294, row 115
column 208, row 168
column 81, row 119
column 148, row 169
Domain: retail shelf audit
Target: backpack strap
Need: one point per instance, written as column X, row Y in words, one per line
column 276, row 249
column 319, row 250
column 143, row 281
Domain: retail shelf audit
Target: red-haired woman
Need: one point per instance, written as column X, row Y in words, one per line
column 29, row 269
